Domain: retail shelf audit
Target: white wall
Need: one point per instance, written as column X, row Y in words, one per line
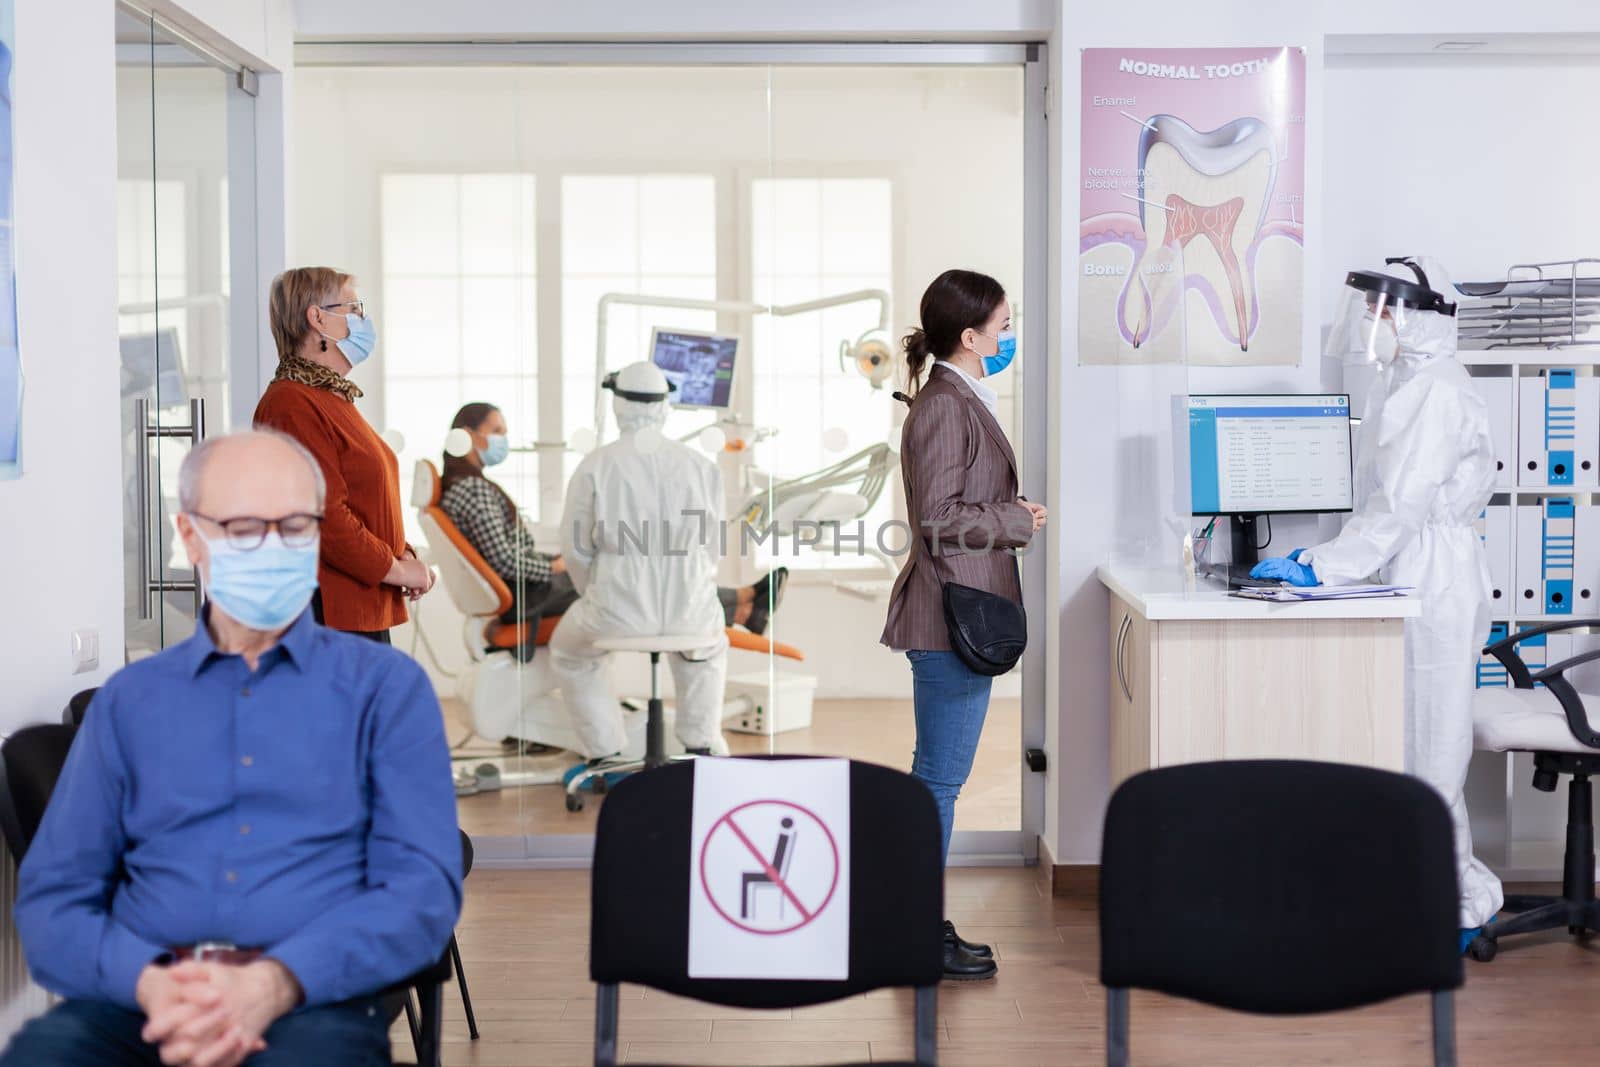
column 62, row 527
column 1493, row 176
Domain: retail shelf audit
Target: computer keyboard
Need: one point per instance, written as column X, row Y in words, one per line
column 1237, row 575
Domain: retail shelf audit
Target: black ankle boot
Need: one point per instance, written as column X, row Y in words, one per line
column 981, row 951
column 962, row 966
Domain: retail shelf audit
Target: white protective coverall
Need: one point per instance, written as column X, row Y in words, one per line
column 640, row 535
column 1424, row 472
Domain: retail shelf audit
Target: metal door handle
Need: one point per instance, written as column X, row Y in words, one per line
column 194, row 433
column 1122, row 637
column 141, row 481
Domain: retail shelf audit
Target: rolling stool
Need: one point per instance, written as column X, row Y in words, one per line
column 655, row 744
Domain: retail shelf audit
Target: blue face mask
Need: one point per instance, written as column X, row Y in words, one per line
column 1003, row 355
column 266, row 588
column 363, row 337
column 499, row 448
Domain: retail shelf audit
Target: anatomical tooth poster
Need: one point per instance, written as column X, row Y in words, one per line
column 1192, row 206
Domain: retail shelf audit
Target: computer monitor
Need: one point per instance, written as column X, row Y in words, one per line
column 700, row 364
column 1268, row 454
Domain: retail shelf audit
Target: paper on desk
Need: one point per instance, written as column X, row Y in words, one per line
column 1301, row 594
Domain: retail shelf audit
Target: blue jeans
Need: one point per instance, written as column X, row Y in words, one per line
column 89, row 1033
column 951, row 703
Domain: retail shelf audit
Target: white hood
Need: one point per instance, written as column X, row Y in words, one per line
column 1428, row 334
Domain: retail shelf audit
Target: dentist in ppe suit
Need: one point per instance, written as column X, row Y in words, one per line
column 1424, row 472
column 640, row 534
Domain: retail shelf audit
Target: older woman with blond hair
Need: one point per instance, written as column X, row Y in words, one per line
column 366, row 570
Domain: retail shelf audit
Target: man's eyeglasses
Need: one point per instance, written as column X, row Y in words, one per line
column 246, row 533
column 358, row 306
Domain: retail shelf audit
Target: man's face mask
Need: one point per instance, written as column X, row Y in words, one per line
column 266, row 587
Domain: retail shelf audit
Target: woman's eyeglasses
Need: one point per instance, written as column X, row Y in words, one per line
column 359, row 306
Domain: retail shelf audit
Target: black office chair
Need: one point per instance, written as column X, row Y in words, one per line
column 1554, row 726
column 455, row 961
column 78, row 707
column 639, row 924
column 30, row 762
column 1249, row 885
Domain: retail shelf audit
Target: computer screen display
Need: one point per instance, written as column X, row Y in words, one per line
column 699, row 364
column 1267, row 454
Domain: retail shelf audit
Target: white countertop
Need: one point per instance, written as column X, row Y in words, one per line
column 1160, row 595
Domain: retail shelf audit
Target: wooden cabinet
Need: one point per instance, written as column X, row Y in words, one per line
column 1188, row 690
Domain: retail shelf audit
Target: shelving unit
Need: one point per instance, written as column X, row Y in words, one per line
column 1528, row 846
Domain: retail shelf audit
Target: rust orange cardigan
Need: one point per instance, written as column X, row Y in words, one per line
column 363, row 531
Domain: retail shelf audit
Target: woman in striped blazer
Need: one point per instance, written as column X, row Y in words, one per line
column 960, row 477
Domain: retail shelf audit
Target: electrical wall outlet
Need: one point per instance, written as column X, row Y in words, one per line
column 85, row 650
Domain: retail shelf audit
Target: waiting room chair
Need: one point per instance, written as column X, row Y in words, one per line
column 896, row 901
column 1248, row 885
column 30, row 762
column 78, row 707
column 1553, row 724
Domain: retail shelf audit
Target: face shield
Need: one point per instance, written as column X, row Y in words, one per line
column 1377, row 309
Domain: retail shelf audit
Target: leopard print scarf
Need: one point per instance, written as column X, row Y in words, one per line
column 302, row 370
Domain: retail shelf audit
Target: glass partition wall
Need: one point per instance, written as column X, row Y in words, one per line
column 520, row 231
column 185, row 157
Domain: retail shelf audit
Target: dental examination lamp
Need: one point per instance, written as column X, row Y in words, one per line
column 871, row 354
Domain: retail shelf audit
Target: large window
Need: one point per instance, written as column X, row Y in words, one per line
column 460, row 310
column 813, row 238
column 653, row 235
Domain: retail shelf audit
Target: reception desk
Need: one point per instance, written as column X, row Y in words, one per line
column 1197, row 675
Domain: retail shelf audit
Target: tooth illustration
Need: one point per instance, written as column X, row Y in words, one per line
column 1214, row 185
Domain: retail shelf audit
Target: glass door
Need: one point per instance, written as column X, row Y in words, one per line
column 539, row 226
column 186, row 139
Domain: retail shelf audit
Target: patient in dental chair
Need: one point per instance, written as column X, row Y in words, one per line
column 488, row 518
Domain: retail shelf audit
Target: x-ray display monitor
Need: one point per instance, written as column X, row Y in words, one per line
column 1269, row 454
column 699, row 364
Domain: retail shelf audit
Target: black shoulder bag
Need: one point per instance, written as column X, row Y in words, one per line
column 988, row 631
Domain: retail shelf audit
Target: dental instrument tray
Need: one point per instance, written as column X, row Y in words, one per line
column 1549, row 305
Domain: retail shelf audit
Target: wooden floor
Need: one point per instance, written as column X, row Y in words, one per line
column 880, row 731
column 524, row 937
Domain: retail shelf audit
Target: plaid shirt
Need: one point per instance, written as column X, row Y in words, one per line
column 479, row 512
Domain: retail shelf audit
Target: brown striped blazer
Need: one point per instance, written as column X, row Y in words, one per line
column 960, row 478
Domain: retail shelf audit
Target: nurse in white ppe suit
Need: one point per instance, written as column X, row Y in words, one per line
column 1424, row 472
column 640, row 535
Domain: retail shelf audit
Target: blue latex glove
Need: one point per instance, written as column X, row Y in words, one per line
column 1286, row 569
column 1466, row 937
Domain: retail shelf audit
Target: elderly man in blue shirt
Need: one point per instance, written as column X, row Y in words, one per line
column 255, row 831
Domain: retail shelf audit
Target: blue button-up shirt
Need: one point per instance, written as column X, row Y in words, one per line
column 305, row 808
